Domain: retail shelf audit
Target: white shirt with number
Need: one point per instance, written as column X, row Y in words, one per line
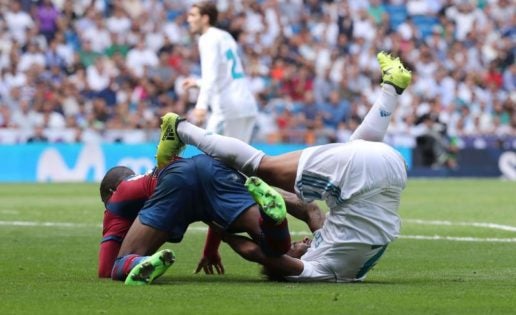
column 361, row 182
column 223, row 86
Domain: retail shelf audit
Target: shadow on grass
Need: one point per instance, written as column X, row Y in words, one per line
column 214, row 279
column 199, row 279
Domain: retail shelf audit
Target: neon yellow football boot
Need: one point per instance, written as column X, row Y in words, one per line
column 271, row 202
column 152, row 268
column 394, row 72
column 169, row 145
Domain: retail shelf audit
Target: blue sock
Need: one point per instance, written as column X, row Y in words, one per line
column 123, row 265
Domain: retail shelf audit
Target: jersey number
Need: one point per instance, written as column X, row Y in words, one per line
column 233, row 58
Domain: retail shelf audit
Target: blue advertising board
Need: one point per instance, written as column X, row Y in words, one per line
column 89, row 162
column 84, row 162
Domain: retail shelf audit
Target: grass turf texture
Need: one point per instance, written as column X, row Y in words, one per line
column 52, row 269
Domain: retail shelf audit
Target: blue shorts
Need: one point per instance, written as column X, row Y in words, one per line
column 195, row 189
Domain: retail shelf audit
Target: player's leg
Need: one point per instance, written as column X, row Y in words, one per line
column 279, row 170
column 395, row 79
column 273, row 228
column 272, row 236
column 141, row 241
column 283, row 265
column 233, row 201
column 215, row 124
column 232, row 151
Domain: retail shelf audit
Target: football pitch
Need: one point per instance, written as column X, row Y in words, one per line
column 456, row 255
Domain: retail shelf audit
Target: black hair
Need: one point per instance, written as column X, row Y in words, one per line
column 272, row 275
column 111, row 180
column 208, row 8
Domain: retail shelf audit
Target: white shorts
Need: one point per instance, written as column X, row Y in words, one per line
column 240, row 128
column 344, row 262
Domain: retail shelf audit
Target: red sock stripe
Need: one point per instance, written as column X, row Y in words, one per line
column 128, row 264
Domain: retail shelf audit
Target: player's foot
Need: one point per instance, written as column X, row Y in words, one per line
column 169, row 143
column 394, row 72
column 268, row 198
column 151, row 268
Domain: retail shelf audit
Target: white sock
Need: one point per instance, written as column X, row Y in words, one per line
column 374, row 126
column 231, row 151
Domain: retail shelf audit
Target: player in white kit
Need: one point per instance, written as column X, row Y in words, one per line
column 223, row 86
column 361, row 182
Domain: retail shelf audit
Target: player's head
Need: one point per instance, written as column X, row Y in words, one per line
column 202, row 15
column 111, row 181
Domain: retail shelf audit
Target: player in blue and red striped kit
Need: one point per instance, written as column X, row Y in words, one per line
column 123, row 202
column 162, row 205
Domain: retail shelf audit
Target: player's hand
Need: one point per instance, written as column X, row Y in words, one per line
column 208, row 263
column 189, row 83
column 199, row 115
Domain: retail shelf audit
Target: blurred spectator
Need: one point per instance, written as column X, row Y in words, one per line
column 162, row 75
column 97, row 35
column 25, row 117
column 38, row 135
column 87, row 55
column 96, row 66
column 18, row 22
column 118, row 23
column 5, row 117
column 98, row 75
column 465, row 15
column 46, row 17
column 33, row 57
column 431, row 148
column 323, row 86
column 334, row 111
column 141, row 57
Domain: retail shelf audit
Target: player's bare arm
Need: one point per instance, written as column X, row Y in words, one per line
column 284, row 265
column 307, row 212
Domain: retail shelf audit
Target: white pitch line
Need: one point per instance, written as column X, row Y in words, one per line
column 473, row 224
column 307, row 233
column 458, row 239
column 46, row 224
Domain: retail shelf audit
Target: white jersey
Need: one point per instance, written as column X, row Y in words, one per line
column 345, row 262
column 361, row 182
column 223, row 85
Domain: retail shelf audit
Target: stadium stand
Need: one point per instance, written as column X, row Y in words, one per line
column 79, row 71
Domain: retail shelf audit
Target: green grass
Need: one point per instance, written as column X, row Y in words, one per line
column 52, row 270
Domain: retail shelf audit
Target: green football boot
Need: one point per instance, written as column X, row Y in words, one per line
column 152, row 268
column 394, row 72
column 271, row 202
column 169, row 145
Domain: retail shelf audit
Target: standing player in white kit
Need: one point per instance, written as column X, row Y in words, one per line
column 223, row 86
column 360, row 181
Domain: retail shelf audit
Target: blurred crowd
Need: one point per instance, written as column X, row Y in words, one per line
column 101, row 70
